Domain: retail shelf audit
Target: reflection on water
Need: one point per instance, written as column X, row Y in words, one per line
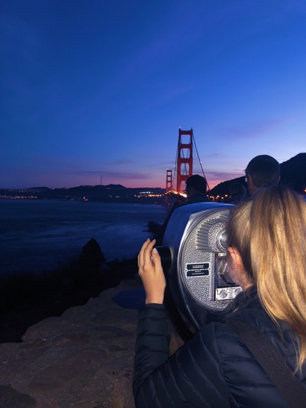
column 41, row 234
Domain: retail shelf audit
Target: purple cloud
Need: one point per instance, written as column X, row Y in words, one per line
column 219, row 175
column 213, row 156
column 116, row 175
column 120, row 162
column 251, row 130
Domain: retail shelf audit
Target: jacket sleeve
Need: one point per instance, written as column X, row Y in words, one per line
column 192, row 377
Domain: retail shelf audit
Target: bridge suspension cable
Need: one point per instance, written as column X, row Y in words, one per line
column 208, row 188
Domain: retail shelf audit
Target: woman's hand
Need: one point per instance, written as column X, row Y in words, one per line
column 151, row 273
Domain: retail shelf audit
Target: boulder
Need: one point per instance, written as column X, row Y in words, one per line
column 91, row 256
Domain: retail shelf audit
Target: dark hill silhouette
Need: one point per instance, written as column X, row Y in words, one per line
column 293, row 174
column 118, row 186
column 108, row 193
column 39, row 188
column 223, row 188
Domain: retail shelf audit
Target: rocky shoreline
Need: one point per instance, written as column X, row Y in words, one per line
column 67, row 338
column 82, row 359
column 27, row 299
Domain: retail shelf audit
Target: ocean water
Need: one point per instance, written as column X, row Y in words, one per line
column 41, row 234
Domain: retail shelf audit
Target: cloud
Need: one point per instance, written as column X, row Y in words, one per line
column 162, row 47
column 250, row 130
column 164, row 43
column 116, row 175
column 219, row 175
column 168, row 93
column 120, row 162
column 213, row 156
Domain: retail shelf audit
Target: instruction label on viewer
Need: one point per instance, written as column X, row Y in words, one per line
column 199, row 269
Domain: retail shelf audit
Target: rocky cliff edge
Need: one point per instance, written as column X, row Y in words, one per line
column 83, row 359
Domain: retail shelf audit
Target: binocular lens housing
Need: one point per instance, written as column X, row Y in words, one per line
column 194, row 258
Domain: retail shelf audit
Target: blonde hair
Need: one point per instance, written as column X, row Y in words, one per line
column 269, row 232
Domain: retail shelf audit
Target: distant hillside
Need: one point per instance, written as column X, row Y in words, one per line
column 109, row 193
column 293, row 174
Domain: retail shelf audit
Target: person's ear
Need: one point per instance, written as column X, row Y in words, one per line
column 236, row 258
column 251, row 186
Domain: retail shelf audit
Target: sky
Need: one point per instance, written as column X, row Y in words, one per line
column 95, row 91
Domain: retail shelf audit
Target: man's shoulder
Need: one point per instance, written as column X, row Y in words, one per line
column 197, row 198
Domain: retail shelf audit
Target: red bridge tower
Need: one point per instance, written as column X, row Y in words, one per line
column 184, row 157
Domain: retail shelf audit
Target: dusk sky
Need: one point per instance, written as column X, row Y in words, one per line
column 99, row 88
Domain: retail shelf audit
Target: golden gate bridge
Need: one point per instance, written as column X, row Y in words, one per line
column 184, row 163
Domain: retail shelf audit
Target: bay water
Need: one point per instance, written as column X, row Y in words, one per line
column 42, row 234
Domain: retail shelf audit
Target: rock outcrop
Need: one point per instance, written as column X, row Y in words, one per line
column 82, row 359
column 91, row 256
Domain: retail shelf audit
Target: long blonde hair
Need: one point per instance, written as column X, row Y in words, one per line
column 269, row 232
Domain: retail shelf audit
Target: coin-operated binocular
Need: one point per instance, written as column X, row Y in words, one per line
column 194, row 259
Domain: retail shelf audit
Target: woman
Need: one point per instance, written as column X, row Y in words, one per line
column 267, row 258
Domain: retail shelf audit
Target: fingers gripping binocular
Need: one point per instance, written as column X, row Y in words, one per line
column 194, row 259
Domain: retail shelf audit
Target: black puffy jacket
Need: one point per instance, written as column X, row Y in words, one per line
column 214, row 369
